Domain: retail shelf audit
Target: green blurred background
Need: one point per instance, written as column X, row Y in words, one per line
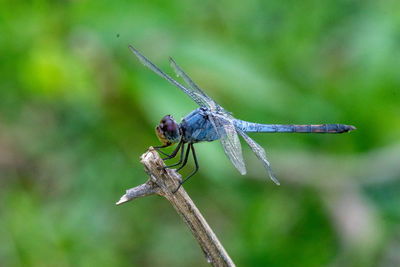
column 77, row 109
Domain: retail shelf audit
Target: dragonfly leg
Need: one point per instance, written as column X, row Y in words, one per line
column 185, row 159
column 157, row 148
column 180, row 158
column 173, row 154
column 190, row 146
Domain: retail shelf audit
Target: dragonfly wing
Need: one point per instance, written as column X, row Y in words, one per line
column 229, row 140
column 260, row 153
column 196, row 96
column 192, row 85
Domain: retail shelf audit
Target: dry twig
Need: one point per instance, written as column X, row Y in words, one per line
column 163, row 182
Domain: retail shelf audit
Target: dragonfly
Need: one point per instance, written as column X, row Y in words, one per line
column 210, row 122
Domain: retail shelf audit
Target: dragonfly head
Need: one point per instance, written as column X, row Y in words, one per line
column 168, row 131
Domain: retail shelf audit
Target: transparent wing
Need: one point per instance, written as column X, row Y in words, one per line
column 229, row 140
column 196, row 96
column 192, row 85
column 260, row 153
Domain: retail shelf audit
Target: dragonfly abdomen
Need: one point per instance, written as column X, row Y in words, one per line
column 252, row 127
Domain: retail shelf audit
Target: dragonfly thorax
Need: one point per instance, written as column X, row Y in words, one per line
column 168, row 130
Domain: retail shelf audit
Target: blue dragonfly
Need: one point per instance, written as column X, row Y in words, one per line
column 210, row 122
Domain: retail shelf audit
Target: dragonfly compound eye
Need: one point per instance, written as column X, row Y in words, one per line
column 168, row 130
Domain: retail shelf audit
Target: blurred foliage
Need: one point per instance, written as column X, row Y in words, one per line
column 77, row 110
